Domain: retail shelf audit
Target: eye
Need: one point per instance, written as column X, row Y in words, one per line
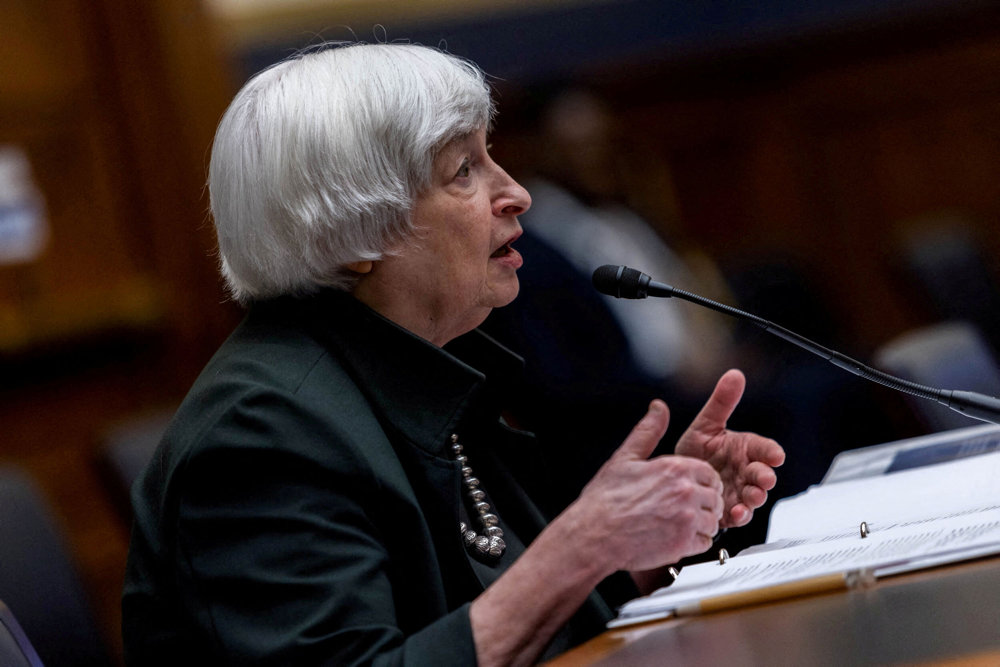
column 465, row 170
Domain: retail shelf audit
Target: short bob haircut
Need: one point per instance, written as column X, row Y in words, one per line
column 318, row 161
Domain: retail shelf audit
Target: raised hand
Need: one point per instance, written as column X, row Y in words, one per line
column 636, row 514
column 649, row 512
column 744, row 461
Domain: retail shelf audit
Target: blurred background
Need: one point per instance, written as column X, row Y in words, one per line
column 833, row 165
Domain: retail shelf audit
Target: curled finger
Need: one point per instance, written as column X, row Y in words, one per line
column 710, row 519
column 765, row 450
column 761, row 476
column 753, row 496
column 707, row 476
column 739, row 515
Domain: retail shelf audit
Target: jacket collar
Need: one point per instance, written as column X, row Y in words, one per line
column 424, row 392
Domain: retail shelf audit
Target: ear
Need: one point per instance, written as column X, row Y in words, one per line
column 361, row 267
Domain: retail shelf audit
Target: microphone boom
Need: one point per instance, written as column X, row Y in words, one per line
column 625, row 283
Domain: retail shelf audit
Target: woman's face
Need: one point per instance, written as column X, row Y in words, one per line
column 460, row 265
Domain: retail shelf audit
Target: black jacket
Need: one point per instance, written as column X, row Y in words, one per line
column 303, row 507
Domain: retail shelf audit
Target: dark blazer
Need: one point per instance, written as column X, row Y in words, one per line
column 303, row 507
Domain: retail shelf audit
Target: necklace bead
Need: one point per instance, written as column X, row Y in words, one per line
column 489, row 546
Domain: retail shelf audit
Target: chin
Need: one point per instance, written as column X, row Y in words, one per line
column 507, row 296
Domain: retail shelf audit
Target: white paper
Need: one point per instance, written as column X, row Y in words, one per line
column 901, row 549
column 834, row 510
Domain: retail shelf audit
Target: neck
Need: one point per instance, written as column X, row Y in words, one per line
column 404, row 307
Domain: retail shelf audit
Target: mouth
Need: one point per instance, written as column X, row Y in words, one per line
column 507, row 253
column 506, row 249
column 502, row 251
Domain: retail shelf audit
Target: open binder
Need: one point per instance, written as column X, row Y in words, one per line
column 879, row 511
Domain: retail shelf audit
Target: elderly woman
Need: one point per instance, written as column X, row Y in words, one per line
column 339, row 486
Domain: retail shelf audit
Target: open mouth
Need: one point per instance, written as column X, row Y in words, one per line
column 502, row 251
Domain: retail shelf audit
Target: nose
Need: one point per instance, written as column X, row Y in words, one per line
column 511, row 198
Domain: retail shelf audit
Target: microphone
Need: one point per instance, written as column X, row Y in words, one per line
column 625, row 283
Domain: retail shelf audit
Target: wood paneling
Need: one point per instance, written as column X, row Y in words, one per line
column 115, row 105
column 829, row 163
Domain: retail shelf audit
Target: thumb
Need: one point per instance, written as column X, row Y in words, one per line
column 720, row 405
column 645, row 435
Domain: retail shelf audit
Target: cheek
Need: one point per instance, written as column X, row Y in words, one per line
column 472, row 238
column 463, row 237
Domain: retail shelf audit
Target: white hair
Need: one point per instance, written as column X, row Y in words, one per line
column 318, row 160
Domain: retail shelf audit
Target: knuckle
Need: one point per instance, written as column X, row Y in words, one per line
column 687, row 516
column 664, row 465
column 686, row 490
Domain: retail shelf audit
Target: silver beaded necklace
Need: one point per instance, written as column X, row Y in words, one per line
column 487, row 546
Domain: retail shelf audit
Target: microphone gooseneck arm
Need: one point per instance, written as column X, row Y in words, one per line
column 625, row 283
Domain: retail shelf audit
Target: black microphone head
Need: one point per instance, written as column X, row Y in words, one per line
column 620, row 281
column 606, row 279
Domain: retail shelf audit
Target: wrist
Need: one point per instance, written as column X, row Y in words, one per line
column 586, row 549
column 556, row 574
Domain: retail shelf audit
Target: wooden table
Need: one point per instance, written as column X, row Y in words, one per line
column 947, row 615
